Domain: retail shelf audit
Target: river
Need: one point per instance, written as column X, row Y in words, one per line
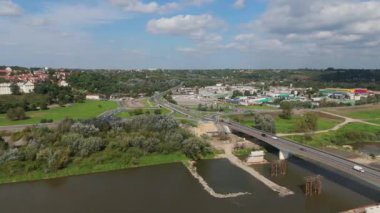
column 171, row 188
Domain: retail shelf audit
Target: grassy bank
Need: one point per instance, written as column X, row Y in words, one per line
column 130, row 113
column 94, row 164
column 89, row 109
column 288, row 125
column 359, row 112
column 349, row 134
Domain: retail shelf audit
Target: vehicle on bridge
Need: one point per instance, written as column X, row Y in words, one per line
column 358, row 168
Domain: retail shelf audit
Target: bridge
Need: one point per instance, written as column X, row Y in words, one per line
column 287, row 147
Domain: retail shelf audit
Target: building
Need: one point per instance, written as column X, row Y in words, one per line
column 25, row 87
column 93, row 97
column 5, row 89
column 5, row 73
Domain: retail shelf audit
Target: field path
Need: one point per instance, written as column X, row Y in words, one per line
column 346, row 121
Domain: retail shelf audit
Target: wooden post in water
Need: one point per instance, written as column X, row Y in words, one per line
column 278, row 167
column 313, row 185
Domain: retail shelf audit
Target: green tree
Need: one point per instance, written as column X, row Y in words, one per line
column 265, row 122
column 247, row 93
column 287, row 110
column 15, row 89
column 236, row 93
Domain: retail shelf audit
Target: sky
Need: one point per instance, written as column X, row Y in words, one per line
column 190, row 34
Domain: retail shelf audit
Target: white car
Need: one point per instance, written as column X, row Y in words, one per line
column 275, row 138
column 358, row 168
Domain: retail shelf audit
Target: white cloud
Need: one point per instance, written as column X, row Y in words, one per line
column 239, row 4
column 198, row 2
column 9, row 8
column 140, row 6
column 196, row 27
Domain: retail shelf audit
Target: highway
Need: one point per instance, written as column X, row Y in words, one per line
column 371, row 175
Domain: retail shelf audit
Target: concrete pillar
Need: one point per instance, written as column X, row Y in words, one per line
column 283, row 155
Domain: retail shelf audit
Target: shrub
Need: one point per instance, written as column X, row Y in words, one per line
column 194, row 148
column 54, row 159
column 73, row 142
column 91, row 145
column 16, row 114
column 86, row 130
column 44, row 120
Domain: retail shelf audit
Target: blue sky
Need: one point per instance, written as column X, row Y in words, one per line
column 190, row 33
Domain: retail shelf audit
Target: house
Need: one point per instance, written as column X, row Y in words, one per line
column 25, row 87
column 93, row 97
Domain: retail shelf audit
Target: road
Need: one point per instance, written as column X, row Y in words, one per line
column 371, row 175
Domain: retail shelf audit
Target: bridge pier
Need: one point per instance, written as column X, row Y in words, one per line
column 283, row 155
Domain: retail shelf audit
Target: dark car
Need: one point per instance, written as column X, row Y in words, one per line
column 263, row 134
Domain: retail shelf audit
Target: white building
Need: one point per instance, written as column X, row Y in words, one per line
column 93, row 97
column 5, row 89
column 25, row 87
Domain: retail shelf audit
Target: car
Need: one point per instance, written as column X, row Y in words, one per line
column 358, row 168
column 302, row 149
column 275, row 138
column 263, row 134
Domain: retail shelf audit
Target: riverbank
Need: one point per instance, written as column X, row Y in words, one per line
column 90, row 166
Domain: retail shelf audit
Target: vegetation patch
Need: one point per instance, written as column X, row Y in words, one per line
column 135, row 112
column 359, row 112
column 289, row 125
column 86, row 110
column 349, row 134
column 96, row 145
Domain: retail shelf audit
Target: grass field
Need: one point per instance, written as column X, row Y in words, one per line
column 349, row 134
column 128, row 114
column 86, row 110
column 288, row 126
column 359, row 112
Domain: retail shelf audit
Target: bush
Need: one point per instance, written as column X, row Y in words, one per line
column 73, row 141
column 54, row 160
column 86, row 130
column 194, row 148
column 3, row 144
column 91, row 145
column 44, row 120
column 16, row 114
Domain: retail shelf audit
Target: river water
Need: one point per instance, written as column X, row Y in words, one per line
column 171, row 188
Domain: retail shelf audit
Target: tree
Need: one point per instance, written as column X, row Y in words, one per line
column 265, row 122
column 309, row 122
column 247, row 93
column 16, row 114
column 287, row 110
column 236, row 93
column 15, row 89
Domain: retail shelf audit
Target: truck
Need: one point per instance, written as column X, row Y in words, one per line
column 358, row 168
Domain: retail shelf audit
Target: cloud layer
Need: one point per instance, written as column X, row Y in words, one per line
column 117, row 33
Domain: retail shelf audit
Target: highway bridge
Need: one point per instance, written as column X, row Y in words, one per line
column 287, row 147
